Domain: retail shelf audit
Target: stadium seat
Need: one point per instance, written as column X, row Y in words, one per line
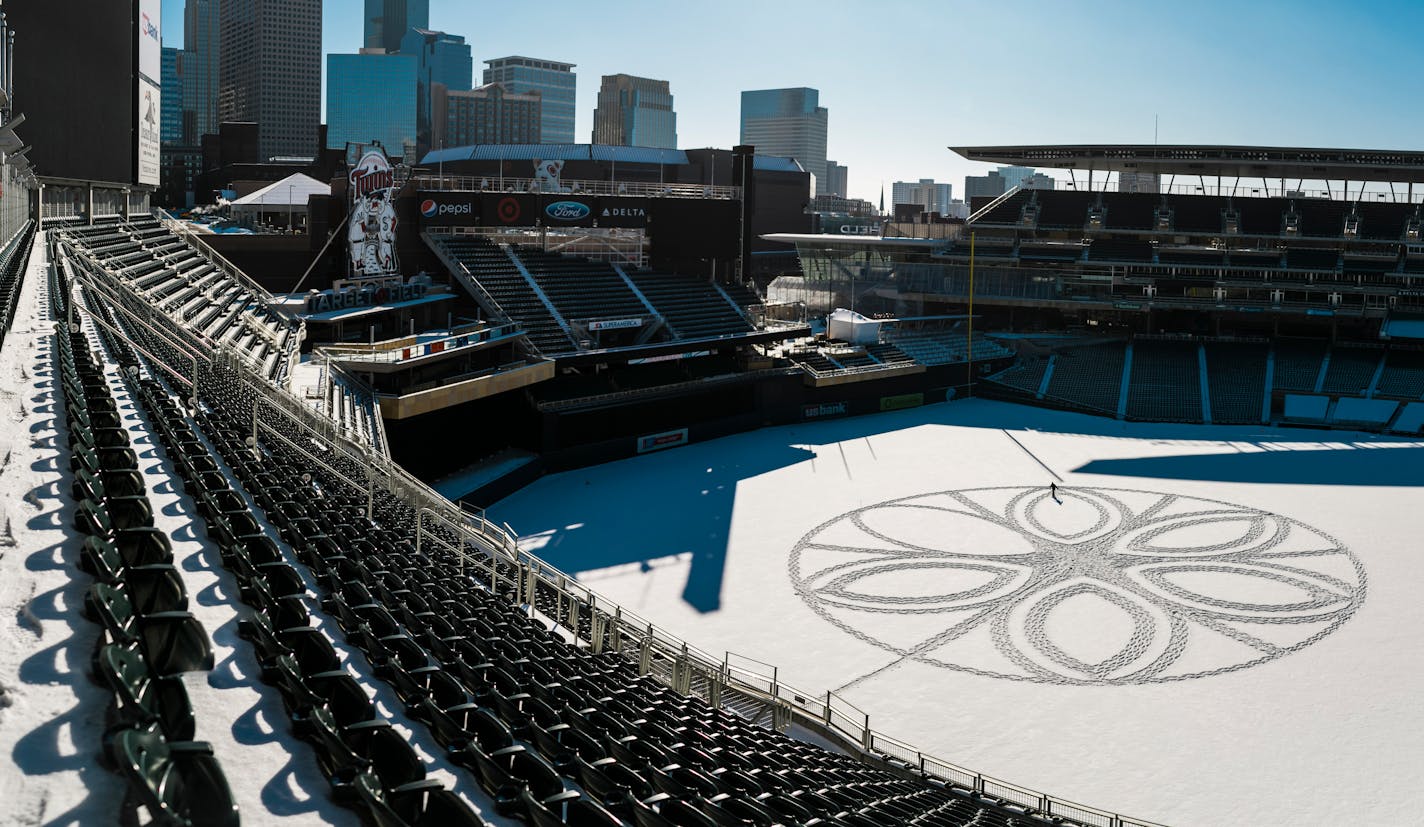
column 142, row 699
column 178, row 782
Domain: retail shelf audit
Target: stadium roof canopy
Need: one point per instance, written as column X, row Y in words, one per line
column 1388, row 165
column 556, row 152
column 852, row 242
column 588, row 152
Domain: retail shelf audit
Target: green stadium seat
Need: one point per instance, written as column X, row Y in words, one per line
column 180, row 783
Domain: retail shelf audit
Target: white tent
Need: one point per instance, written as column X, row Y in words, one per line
column 280, row 203
column 850, row 326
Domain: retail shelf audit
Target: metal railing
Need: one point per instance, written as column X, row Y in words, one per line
column 641, row 189
column 658, row 390
column 395, row 351
column 992, row 205
column 213, row 257
column 846, row 371
column 489, row 554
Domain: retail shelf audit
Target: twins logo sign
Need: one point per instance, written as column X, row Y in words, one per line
column 371, row 225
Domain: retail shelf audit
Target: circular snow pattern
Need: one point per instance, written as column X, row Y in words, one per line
column 1097, row 586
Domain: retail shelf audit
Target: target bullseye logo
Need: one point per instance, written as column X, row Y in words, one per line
column 429, row 208
column 508, row 210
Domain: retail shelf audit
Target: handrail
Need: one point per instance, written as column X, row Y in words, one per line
column 658, row 390
column 658, row 652
column 984, row 210
column 531, row 186
column 217, row 259
column 393, row 354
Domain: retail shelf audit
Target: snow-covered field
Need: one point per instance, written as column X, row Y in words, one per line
column 1208, row 625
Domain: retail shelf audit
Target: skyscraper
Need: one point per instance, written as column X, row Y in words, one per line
column 271, row 72
column 932, row 196
column 171, row 122
column 442, row 59
column 553, row 80
column 370, row 97
column 787, row 122
column 634, row 111
column 984, row 186
column 387, row 21
column 1014, row 176
column 837, row 180
column 202, row 52
column 490, row 114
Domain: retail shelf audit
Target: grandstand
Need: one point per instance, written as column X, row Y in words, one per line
column 1164, row 382
column 216, row 303
column 414, row 659
column 568, row 304
column 245, row 529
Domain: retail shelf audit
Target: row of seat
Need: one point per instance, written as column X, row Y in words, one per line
column 581, row 289
column 14, row 259
column 694, row 308
column 374, row 769
column 540, row 721
column 944, row 347
column 169, row 274
column 1205, row 214
column 138, row 598
column 1165, row 384
column 493, row 271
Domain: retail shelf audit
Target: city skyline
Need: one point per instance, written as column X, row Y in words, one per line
column 1271, row 73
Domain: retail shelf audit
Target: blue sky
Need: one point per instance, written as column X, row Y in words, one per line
column 905, row 80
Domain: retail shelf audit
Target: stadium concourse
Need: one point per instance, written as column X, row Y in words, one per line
column 1200, row 625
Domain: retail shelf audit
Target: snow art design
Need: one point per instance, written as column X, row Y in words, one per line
column 1100, row 586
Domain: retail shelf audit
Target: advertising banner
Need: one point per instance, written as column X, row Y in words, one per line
column 567, row 212
column 901, row 402
column 666, row 439
column 622, row 212
column 449, row 209
column 529, row 210
column 150, row 40
column 371, row 226
column 615, row 324
column 823, row 410
column 148, row 145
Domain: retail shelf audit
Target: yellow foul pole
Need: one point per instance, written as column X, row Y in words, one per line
column 970, row 367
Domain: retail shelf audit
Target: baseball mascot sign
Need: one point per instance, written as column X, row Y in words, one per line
column 372, row 226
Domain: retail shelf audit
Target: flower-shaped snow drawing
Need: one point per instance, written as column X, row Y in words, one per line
column 1098, row 586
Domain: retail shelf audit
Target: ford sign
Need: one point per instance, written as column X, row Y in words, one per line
column 567, row 211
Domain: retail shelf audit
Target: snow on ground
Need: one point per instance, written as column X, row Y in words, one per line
column 51, row 715
column 1209, row 625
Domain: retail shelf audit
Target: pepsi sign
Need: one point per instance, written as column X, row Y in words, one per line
column 430, row 209
column 448, row 209
column 568, row 211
